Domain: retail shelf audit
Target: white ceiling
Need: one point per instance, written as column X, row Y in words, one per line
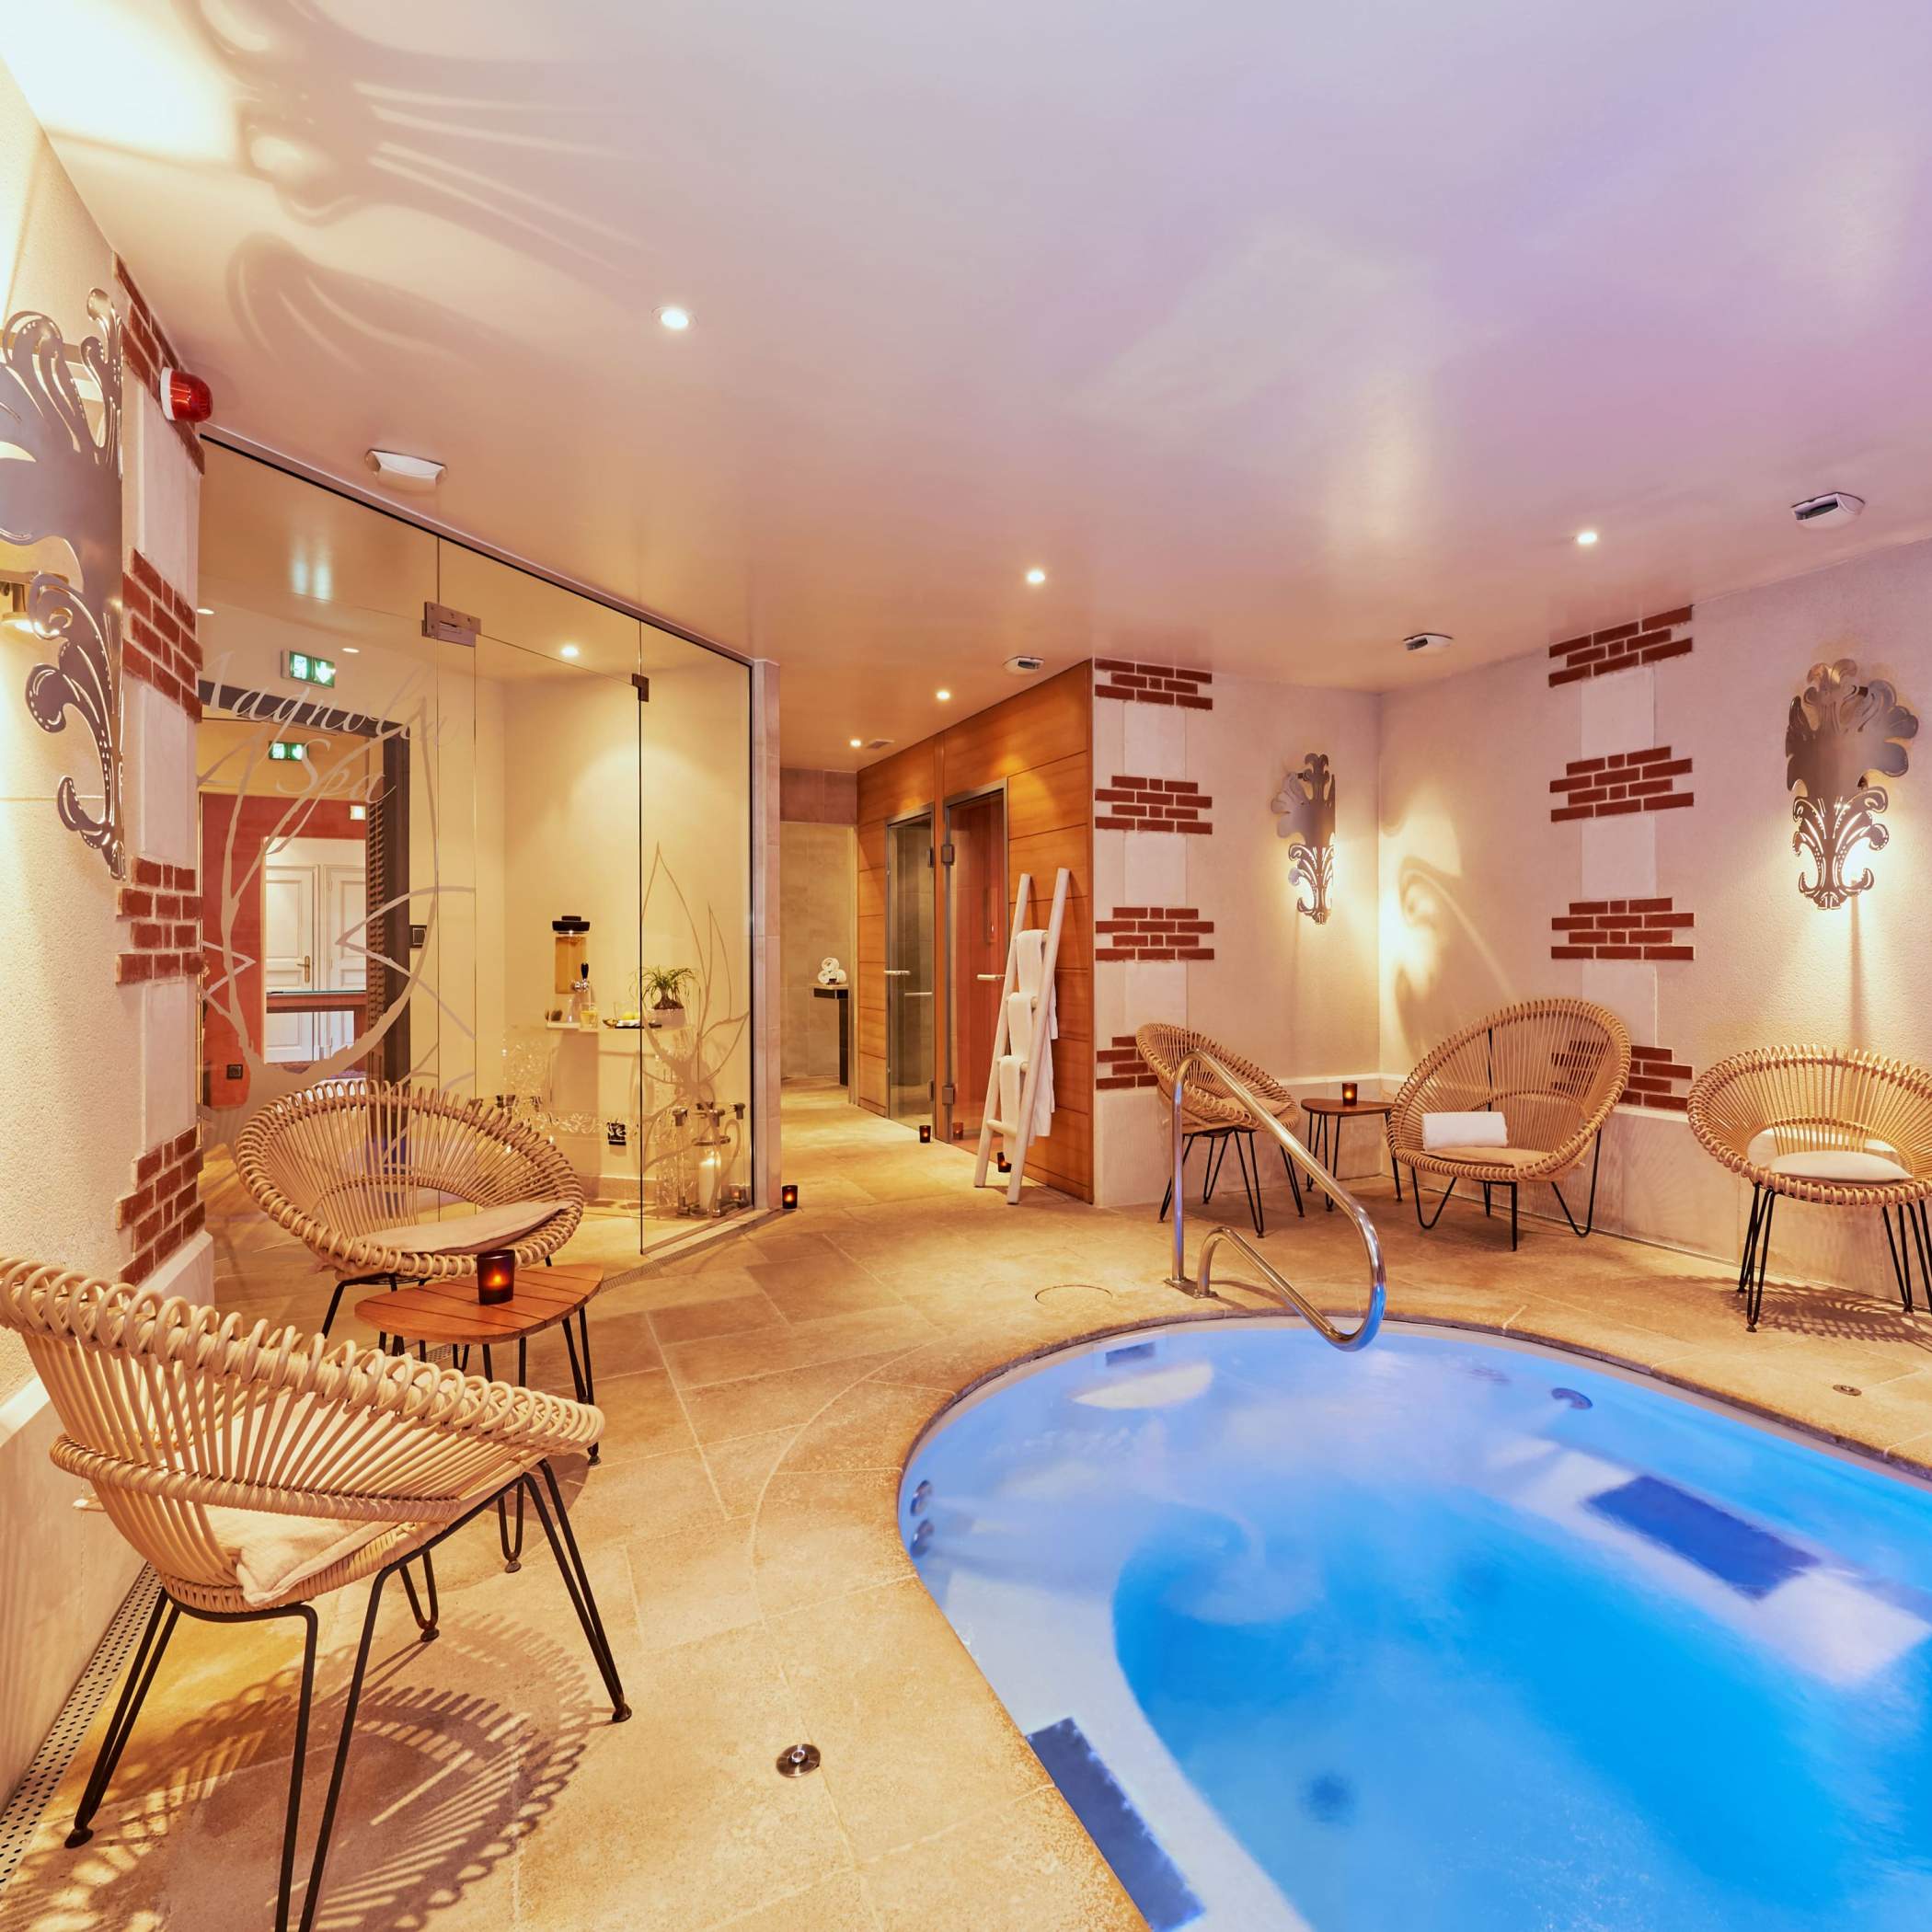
column 1274, row 330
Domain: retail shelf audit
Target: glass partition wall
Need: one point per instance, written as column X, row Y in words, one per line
column 975, row 860
column 909, row 969
column 414, row 846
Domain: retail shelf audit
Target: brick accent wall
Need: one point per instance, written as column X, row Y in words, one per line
column 1120, row 1065
column 1656, row 1075
column 158, row 644
column 1622, row 930
column 1151, row 805
column 1152, row 683
column 164, row 1207
column 147, row 351
column 1625, row 781
column 1623, row 646
column 164, row 908
column 1153, row 932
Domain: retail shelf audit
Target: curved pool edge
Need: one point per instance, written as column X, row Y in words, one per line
column 925, row 1761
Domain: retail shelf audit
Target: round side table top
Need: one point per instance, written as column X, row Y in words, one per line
column 449, row 1310
column 1348, row 1109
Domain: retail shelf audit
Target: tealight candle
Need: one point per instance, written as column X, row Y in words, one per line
column 495, row 1275
column 1348, row 1093
column 788, row 1196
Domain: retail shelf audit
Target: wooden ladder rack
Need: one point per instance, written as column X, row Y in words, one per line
column 1021, row 1130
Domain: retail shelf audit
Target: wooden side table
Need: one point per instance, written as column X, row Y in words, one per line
column 1325, row 1119
column 843, row 994
column 448, row 1311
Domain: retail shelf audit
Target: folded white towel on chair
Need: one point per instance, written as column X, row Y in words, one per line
column 1487, row 1129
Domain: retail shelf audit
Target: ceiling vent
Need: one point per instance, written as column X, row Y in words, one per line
column 1837, row 506
column 404, row 472
column 1426, row 642
column 877, row 744
column 1025, row 665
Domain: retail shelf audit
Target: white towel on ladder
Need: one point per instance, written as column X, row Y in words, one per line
column 1024, row 1039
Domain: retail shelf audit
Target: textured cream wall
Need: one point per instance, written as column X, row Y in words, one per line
column 1297, row 998
column 1473, row 871
column 91, row 1073
column 817, row 887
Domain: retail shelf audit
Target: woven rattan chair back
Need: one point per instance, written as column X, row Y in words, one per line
column 167, row 1408
column 337, row 1161
column 1554, row 1068
column 1208, row 1102
column 1812, row 1099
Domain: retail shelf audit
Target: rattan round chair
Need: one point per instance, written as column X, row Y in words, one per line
column 1833, row 1126
column 354, row 1170
column 1553, row 1068
column 257, row 1470
column 1210, row 1113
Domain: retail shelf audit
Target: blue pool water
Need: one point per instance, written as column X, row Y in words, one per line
column 1446, row 1635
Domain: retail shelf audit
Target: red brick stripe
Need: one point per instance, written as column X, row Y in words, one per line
column 1153, row 932
column 1120, row 1065
column 1623, row 782
column 1137, row 684
column 1130, row 804
column 164, row 1209
column 1623, row 646
column 1622, row 930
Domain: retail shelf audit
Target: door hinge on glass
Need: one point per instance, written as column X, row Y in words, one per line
column 448, row 626
column 947, row 1094
column 946, row 852
column 643, row 685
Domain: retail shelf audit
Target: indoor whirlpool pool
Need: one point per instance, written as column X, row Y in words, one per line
column 1451, row 1635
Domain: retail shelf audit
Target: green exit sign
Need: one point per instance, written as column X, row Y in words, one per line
column 305, row 669
column 284, row 748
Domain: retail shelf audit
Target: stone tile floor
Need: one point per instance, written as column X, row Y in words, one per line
column 762, row 1395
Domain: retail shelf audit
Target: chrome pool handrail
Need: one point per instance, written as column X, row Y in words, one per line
column 1274, row 1281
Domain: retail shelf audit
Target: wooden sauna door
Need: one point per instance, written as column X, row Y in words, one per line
column 976, row 952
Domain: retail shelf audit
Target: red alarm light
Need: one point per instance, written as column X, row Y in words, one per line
column 184, row 397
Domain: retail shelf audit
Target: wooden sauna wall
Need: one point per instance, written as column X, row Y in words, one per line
column 1039, row 742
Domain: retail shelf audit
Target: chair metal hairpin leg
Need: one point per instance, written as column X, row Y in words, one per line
column 1217, row 1153
column 581, row 1376
column 1757, row 1254
column 513, row 1547
column 577, row 1582
column 1294, row 1182
column 426, row 1625
column 1590, row 1216
column 146, row 1660
column 1250, row 1157
column 1415, row 1187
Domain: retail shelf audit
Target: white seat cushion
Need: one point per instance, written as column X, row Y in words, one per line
column 501, row 1227
column 1851, row 1164
column 1492, row 1156
column 1443, row 1131
column 273, row 1555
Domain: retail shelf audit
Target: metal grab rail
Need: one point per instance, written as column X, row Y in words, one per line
column 1275, row 1280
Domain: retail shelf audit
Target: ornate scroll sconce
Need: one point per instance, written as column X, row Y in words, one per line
column 1845, row 730
column 68, row 489
column 1305, row 808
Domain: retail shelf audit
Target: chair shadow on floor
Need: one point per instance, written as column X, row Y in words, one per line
column 1842, row 1314
column 461, row 1749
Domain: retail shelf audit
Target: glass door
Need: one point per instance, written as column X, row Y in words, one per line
column 975, row 854
column 909, row 969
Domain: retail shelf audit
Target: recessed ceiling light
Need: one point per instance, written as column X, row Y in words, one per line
column 1036, row 576
column 204, row 610
column 674, row 318
column 945, row 698
column 570, row 650
column 405, row 472
column 856, row 742
column 1586, row 538
column 351, row 651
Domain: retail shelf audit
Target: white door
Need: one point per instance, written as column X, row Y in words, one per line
column 345, row 917
column 288, row 939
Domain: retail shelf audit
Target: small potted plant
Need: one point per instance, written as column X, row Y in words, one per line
column 664, row 994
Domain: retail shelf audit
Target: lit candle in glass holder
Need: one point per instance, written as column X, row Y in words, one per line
column 788, row 1196
column 1348, row 1093
column 925, row 1130
column 495, row 1275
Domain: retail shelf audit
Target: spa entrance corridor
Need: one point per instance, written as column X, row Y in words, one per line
column 745, row 1544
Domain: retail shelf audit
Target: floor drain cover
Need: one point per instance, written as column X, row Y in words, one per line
column 1039, row 1294
column 1844, row 1388
column 798, row 1761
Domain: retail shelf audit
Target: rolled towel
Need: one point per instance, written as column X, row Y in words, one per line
column 1029, row 958
column 1019, row 1023
column 1487, row 1129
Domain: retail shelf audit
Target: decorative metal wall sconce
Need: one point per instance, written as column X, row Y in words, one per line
column 1845, row 730
column 1306, row 805
column 68, row 488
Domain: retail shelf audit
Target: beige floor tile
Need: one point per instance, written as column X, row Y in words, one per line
column 911, row 1743
column 761, row 1403
column 822, row 1534
column 642, row 1416
column 677, row 1819
column 651, row 1496
column 871, row 1426
column 703, row 1321
column 1025, row 1867
column 694, row 1584
column 742, row 1464
column 765, row 1351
